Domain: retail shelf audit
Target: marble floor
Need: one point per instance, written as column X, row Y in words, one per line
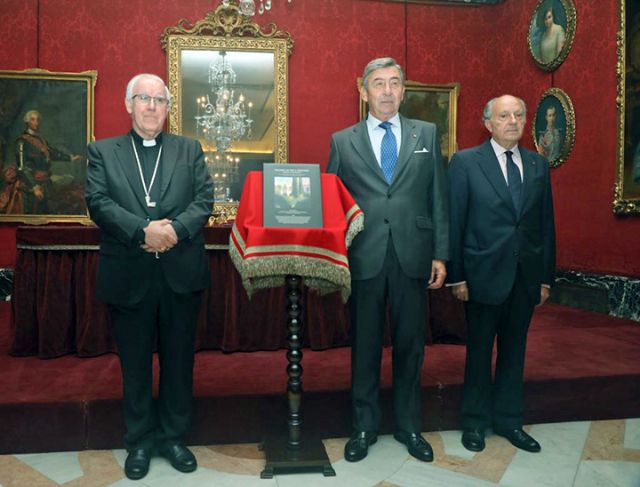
column 575, row 454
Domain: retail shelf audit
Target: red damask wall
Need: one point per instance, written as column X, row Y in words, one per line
column 482, row 48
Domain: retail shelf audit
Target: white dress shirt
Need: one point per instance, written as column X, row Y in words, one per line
column 502, row 158
column 376, row 133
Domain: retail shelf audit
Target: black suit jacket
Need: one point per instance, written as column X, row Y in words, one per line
column 415, row 205
column 115, row 198
column 489, row 238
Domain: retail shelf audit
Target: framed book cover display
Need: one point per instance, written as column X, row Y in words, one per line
column 292, row 195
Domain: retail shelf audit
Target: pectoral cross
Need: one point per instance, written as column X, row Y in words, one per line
column 150, row 204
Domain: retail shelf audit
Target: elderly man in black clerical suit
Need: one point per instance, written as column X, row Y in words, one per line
column 393, row 169
column 151, row 194
column 502, row 264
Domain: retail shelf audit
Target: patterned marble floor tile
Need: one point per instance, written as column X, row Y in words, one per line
column 60, row 467
column 605, row 441
column 632, row 434
column 488, row 465
column 608, row 474
column 418, row 474
column 384, row 458
column 15, row 473
column 556, row 464
column 246, row 459
column 579, row 454
column 453, row 447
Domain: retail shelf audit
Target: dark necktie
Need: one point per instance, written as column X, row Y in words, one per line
column 514, row 180
column 388, row 152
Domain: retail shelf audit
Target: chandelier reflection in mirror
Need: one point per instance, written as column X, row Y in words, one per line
column 224, row 119
column 224, row 171
column 248, row 7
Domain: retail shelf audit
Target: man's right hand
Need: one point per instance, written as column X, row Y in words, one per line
column 460, row 291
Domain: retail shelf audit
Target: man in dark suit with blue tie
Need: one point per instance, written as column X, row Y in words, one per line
column 393, row 169
column 502, row 265
column 151, row 195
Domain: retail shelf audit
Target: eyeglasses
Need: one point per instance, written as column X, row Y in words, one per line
column 146, row 99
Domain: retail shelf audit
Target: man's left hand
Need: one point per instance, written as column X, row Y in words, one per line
column 438, row 273
column 544, row 294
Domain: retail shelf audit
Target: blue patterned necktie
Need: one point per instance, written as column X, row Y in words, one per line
column 388, row 152
column 514, row 180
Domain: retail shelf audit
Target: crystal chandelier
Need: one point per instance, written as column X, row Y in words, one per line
column 224, row 119
column 248, row 7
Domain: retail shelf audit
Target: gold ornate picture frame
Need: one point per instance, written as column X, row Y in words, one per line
column 551, row 32
column 435, row 103
column 554, row 126
column 258, row 57
column 626, row 193
column 46, row 122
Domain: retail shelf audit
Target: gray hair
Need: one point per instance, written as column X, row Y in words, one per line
column 27, row 116
column 488, row 108
column 132, row 83
column 380, row 63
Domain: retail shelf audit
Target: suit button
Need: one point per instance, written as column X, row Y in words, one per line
column 388, row 196
column 386, row 220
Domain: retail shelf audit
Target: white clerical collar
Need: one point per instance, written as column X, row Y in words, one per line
column 149, row 143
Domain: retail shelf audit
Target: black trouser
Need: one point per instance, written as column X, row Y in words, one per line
column 406, row 298
column 497, row 403
column 171, row 318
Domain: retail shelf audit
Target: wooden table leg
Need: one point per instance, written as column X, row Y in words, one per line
column 293, row 454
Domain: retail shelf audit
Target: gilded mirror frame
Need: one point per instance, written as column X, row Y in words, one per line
column 226, row 29
column 626, row 193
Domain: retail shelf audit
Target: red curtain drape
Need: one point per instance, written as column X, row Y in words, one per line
column 55, row 311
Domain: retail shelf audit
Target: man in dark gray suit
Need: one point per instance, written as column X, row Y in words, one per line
column 393, row 168
column 502, row 265
column 151, row 194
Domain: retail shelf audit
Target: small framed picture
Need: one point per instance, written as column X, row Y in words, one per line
column 551, row 32
column 554, row 126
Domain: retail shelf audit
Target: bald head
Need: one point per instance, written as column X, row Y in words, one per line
column 505, row 118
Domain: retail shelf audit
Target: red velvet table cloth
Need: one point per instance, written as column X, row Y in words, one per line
column 265, row 256
column 54, row 311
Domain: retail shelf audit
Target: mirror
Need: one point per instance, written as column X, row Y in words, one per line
column 228, row 81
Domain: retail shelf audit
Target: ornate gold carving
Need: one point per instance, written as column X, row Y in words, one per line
column 227, row 22
column 225, row 29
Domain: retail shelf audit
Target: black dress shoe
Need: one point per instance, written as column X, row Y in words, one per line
column 473, row 439
column 136, row 465
column 358, row 445
column 180, row 457
column 418, row 447
column 520, row 439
